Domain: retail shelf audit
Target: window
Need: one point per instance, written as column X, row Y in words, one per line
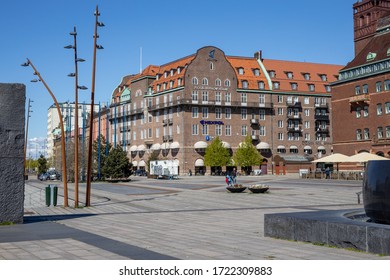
column 227, row 83
column 307, row 124
column 280, row 111
column 240, row 71
column 205, row 95
column 195, row 129
column 358, row 112
column 244, row 84
column 307, row 112
column 211, row 66
column 262, row 99
column 194, row 112
column 276, row 85
column 306, row 100
column 357, row 90
column 387, row 132
column 380, row 132
column 366, row 134
column 323, row 77
column 218, row 96
column 379, row 109
column 244, row 97
column 306, row 76
column 294, row 86
column 261, row 85
column 243, row 114
column 171, row 84
column 218, row 82
column 150, row 133
column 387, row 107
column 378, row 86
column 272, row 73
column 157, row 116
column 218, row 113
column 387, row 84
column 289, row 75
column 195, row 95
column 205, row 112
column 205, row 129
column 178, row 129
column 262, row 130
column 243, row 130
column 228, row 130
column 280, row 137
column 280, row 124
column 280, row 99
column 157, row 132
column 365, row 111
column 262, row 114
column 228, row 113
column 311, row 87
column 205, row 82
column 218, row 129
column 328, row 88
column 256, row 72
column 293, row 150
column 227, row 97
column 307, row 138
column 365, row 89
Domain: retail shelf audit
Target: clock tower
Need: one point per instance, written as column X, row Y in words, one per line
column 366, row 16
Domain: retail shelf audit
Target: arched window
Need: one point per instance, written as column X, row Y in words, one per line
column 205, row 82
column 194, row 80
column 218, row 82
column 227, row 83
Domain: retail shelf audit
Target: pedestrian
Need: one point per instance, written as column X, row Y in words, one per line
column 228, row 180
column 327, row 173
column 234, row 175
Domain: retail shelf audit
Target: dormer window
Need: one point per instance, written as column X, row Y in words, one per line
column 294, row 86
column 306, row 76
column 157, row 77
column 323, row 77
column 261, row 85
column 289, row 75
column 172, row 72
column 171, row 84
column 276, row 85
column 179, row 82
column 178, row 70
column 272, row 73
column 311, row 87
column 328, row 88
column 240, row 71
column 256, row 72
column 165, row 74
column 244, row 84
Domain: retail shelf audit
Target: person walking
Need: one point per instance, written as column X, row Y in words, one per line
column 228, row 180
column 234, row 176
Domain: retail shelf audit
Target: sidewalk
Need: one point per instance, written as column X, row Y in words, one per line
column 193, row 218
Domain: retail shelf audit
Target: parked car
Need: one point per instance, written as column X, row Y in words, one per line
column 55, row 176
column 140, row 172
column 257, row 172
column 44, row 177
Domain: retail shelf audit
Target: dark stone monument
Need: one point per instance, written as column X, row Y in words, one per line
column 12, row 119
column 376, row 191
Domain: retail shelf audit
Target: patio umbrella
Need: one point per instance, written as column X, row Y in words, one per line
column 364, row 157
column 336, row 158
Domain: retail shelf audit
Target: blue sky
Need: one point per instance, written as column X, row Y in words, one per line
column 301, row 30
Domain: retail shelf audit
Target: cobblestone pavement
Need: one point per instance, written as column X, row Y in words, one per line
column 192, row 218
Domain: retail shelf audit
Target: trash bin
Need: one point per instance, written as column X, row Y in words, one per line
column 48, row 195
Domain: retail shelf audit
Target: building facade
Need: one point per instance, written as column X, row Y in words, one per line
column 174, row 110
column 361, row 96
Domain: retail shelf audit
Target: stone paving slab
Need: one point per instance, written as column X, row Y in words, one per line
column 180, row 222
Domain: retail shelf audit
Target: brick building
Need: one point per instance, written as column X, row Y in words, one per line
column 361, row 96
column 176, row 109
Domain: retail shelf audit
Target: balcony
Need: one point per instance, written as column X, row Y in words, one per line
column 321, row 105
column 294, row 129
column 361, row 98
column 294, row 104
column 319, row 117
column 165, row 122
column 254, row 122
column 294, row 116
column 255, row 137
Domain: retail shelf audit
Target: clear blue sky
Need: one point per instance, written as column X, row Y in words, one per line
column 301, row 30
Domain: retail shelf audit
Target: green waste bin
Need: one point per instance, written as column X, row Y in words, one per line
column 48, row 195
column 51, row 193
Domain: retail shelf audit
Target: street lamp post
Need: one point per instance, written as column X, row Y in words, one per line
column 26, row 139
column 89, row 167
column 64, row 177
column 76, row 116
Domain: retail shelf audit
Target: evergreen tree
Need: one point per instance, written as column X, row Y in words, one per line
column 42, row 164
column 247, row 155
column 216, row 154
column 105, row 148
column 117, row 164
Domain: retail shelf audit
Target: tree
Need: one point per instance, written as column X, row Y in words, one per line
column 216, row 154
column 105, row 148
column 247, row 154
column 117, row 164
column 42, row 164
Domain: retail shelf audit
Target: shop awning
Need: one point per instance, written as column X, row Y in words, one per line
column 164, row 146
column 135, row 163
column 226, row 145
column 321, row 148
column 307, row 148
column 175, row 145
column 142, row 163
column 141, row 148
column 281, row 147
column 262, row 146
column 133, row 148
column 293, row 147
column 155, row 147
column 199, row 162
column 200, row 145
